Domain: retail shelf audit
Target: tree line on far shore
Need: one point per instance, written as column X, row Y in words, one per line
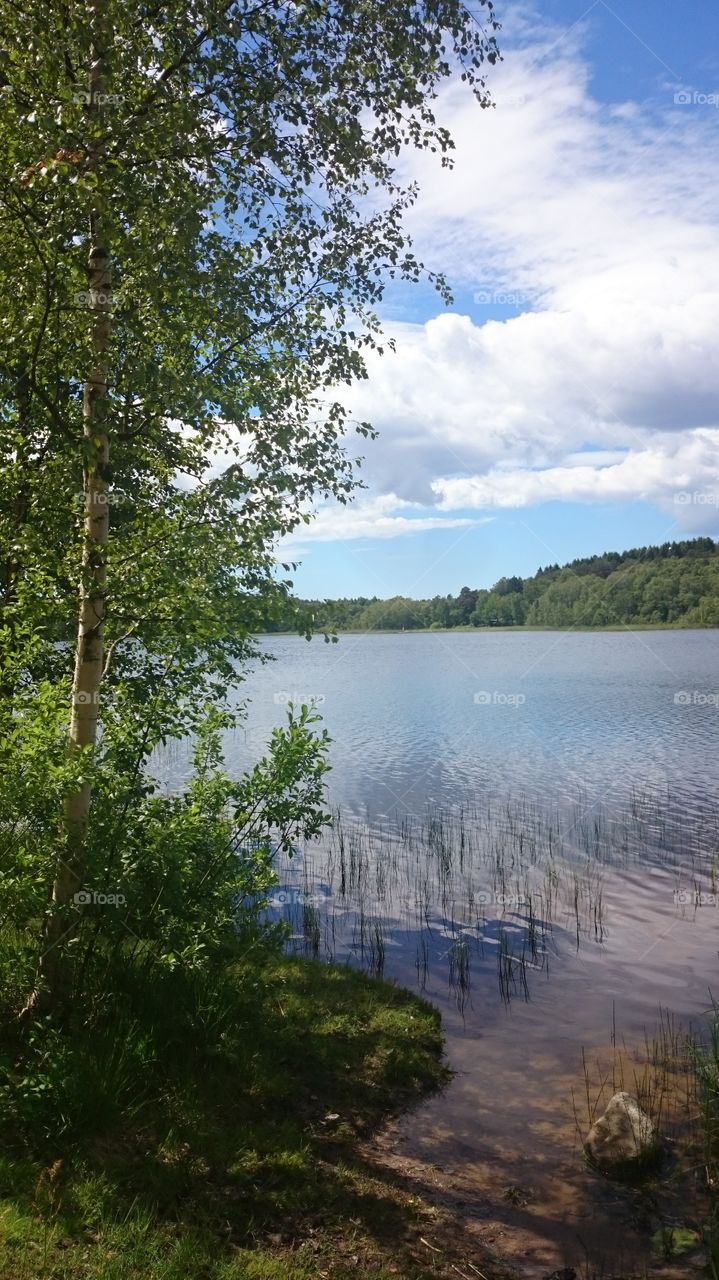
column 676, row 583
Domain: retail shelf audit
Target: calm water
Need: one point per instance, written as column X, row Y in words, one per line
column 527, row 819
column 556, row 712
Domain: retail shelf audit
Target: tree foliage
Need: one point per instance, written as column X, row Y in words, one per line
column 199, row 211
column 253, row 216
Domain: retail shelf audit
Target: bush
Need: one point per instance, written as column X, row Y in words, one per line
column 174, row 894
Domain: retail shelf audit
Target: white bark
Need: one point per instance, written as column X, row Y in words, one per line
column 89, row 649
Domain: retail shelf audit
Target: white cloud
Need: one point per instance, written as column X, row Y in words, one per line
column 372, row 518
column 664, row 475
column 608, row 220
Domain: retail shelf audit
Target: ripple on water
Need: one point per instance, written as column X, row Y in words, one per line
column 518, row 861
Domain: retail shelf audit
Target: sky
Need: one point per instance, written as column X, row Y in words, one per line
column 567, row 402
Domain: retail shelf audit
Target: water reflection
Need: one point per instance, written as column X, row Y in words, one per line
column 551, row 937
column 542, row 862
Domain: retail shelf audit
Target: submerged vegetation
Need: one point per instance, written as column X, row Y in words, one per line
column 480, row 905
column 498, row 884
column 675, row 584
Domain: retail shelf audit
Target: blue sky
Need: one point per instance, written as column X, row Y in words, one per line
column 567, row 402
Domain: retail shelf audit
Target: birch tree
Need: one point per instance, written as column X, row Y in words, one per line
column 200, row 208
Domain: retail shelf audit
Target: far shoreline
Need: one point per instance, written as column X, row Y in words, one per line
column 465, row 630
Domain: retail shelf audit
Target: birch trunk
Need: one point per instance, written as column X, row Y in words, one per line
column 89, row 649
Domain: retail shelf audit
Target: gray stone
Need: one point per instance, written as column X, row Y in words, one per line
column 623, row 1136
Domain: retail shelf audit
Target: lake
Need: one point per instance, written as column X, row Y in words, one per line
column 529, row 834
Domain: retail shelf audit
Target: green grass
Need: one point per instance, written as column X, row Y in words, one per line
column 238, row 1154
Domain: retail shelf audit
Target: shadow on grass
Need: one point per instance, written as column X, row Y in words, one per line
column 221, row 1141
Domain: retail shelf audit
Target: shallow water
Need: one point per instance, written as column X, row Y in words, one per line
column 529, row 834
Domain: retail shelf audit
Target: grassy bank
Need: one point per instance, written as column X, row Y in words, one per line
column 239, row 1161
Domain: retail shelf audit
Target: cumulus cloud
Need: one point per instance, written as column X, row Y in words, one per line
column 374, row 517
column 602, row 224
column 665, row 475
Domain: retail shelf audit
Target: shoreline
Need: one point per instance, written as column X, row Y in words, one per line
column 467, row 630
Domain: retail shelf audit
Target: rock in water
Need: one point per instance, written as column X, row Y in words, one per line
column 623, row 1137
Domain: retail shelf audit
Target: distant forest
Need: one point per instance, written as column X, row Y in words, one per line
column 676, row 583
